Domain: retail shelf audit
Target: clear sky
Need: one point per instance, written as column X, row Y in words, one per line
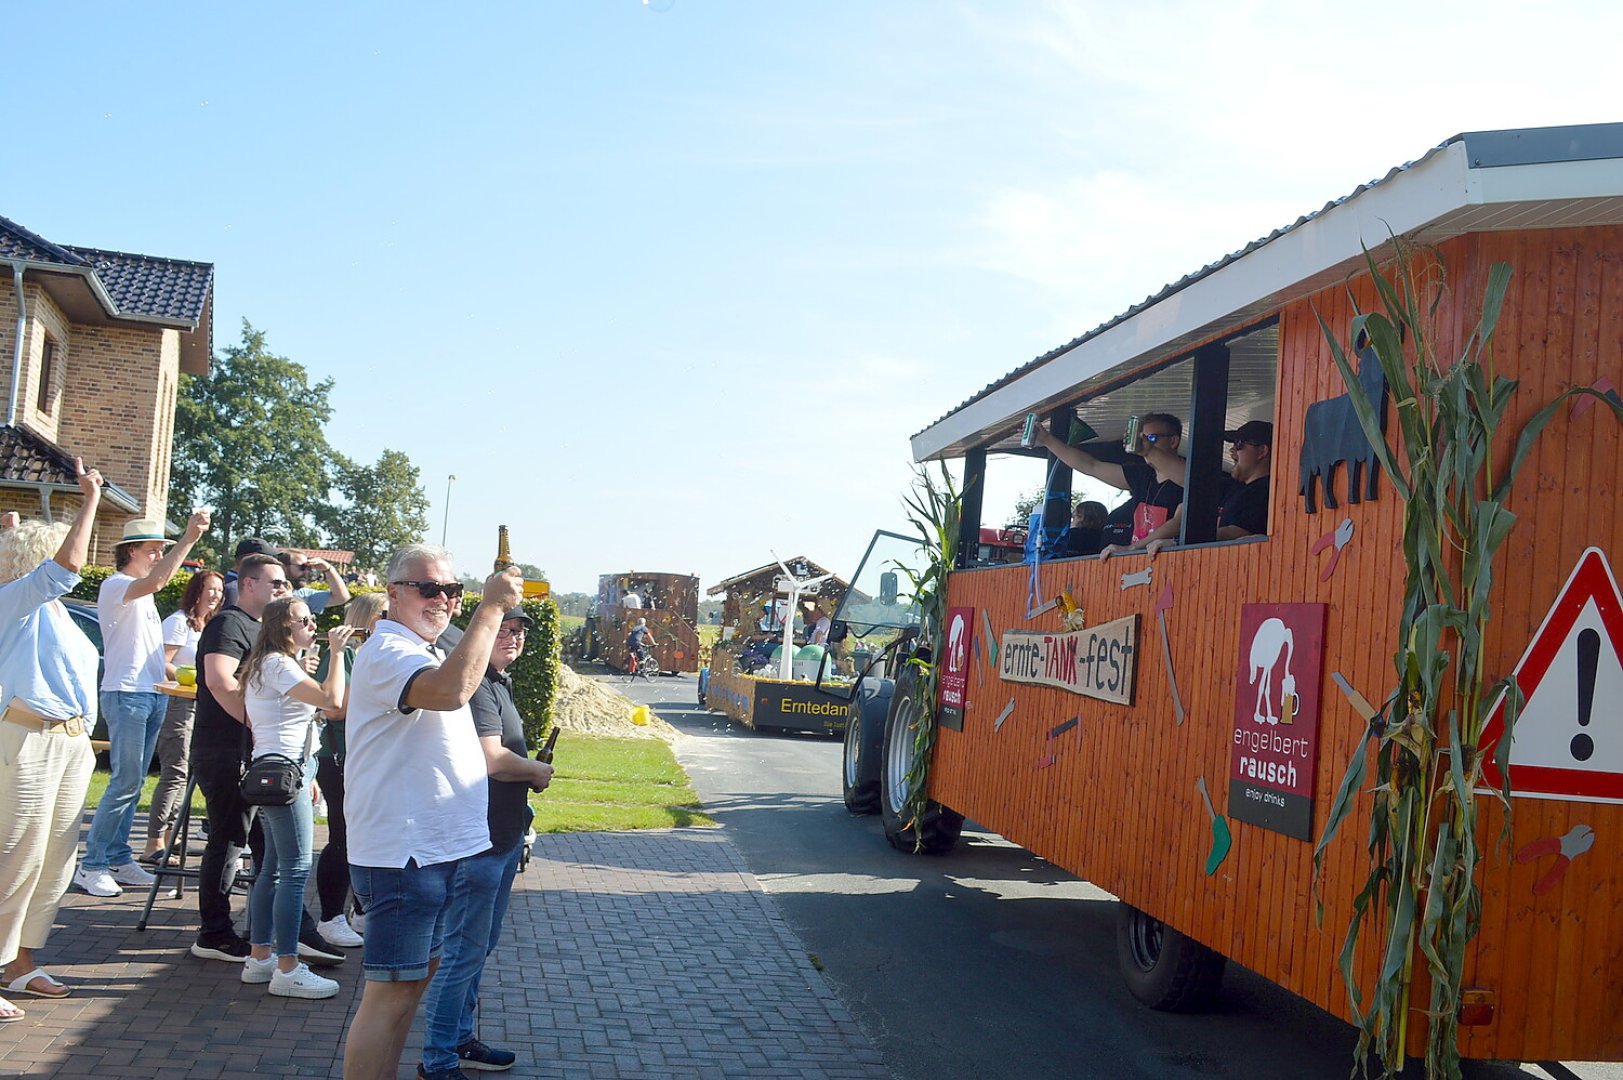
column 670, row 289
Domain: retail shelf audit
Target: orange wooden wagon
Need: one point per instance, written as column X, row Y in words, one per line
column 1071, row 742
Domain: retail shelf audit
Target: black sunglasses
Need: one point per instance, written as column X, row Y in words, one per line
column 430, row 589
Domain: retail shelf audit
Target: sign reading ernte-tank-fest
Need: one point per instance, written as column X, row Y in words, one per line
column 1099, row 662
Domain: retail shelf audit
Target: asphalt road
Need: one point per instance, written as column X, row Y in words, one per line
column 988, row 961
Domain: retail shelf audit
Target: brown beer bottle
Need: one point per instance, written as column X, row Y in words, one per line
column 504, row 553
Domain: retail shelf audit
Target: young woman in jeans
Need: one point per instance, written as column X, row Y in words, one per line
column 332, row 870
column 281, row 701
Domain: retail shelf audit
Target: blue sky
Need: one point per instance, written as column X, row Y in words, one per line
column 668, row 290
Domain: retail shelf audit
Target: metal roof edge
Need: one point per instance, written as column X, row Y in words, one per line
column 1468, row 169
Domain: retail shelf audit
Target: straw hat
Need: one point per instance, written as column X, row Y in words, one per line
column 142, row 530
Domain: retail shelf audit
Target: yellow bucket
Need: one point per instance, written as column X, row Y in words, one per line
column 640, row 715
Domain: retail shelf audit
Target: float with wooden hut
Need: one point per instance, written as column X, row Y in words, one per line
column 670, row 603
column 1186, row 729
column 764, row 670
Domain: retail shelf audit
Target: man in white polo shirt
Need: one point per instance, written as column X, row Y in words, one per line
column 415, row 792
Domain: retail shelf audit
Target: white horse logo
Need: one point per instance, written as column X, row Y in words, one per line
column 1273, row 644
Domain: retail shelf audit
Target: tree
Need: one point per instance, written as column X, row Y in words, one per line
column 249, row 443
column 1028, row 504
column 387, row 507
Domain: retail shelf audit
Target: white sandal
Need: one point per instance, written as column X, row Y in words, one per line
column 9, row 1013
column 20, row 985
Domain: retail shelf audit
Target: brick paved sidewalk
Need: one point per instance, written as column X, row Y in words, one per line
column 638, row 955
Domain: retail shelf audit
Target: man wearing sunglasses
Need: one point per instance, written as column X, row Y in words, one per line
column 417, row 797
column 1245, row 511
column 1154, row 479
column 217, row 750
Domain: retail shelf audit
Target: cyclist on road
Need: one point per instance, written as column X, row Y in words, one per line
column 640, row 645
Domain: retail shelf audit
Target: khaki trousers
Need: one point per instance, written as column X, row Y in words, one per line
column 43, row 779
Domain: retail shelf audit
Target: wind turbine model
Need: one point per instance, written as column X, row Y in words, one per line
column 795, row 588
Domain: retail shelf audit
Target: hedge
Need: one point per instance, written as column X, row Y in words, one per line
column 535, row 673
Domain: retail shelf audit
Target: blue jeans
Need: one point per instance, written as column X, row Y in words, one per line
column 133, row 722
column 407, row 910
column 276, row 906
column 471, row 930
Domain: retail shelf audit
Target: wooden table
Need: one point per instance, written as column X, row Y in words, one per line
column 176, row 690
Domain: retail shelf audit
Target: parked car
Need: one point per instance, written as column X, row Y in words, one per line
column 88, row 619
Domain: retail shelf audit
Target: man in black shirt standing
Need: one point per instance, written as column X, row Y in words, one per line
column 474, row 922
column 218, row 740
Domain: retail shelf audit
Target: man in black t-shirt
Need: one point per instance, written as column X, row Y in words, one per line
column 219, row 743
column 1154, row 478
column 1245, row 509
column 474, row 921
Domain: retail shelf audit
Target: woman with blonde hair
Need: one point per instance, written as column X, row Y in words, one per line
column 332, row 870
column 281, row 701
column 181, row 631
column 48, row 670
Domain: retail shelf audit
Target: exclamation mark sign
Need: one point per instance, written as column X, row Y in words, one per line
column 1588, row 664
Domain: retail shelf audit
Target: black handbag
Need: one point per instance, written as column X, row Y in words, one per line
column 272, row 780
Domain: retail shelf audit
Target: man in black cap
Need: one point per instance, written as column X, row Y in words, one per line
column 249, row 545
column 474, row 921
column 1245, row 509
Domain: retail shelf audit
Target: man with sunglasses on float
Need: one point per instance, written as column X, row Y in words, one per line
column 417, row 797
column 1154, row 480
column 1245, row 510
column 217, row 759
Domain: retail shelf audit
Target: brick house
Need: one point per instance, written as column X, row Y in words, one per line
column 91, row 361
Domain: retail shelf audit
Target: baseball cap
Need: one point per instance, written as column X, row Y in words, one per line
column 1260, row 432
column 253, row 545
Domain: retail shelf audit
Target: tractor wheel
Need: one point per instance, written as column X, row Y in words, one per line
column 1164, row 969
column 864, row 743
column 937, row 828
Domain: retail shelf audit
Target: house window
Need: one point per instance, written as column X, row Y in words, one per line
column 47, row 372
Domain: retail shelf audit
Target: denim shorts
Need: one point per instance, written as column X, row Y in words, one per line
column 405, row 917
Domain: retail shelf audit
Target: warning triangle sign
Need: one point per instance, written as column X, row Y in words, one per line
column 1568, row 740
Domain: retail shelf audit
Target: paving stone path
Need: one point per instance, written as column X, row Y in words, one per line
column 637, row 955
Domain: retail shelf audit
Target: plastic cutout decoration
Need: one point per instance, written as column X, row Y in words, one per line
column 1058, row 730
column 1579, row 839
column 1141, row 577
column 1341, row 536
column 1163, row 604
column 1222, row 837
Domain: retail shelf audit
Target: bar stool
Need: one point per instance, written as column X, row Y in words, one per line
column 174, row 866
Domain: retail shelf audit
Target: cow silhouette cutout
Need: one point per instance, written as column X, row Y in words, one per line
column 1332, row 434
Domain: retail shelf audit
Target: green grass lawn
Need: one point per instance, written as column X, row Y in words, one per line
column 602, row 784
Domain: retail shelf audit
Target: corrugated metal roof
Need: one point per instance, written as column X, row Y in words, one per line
column 1484, row 150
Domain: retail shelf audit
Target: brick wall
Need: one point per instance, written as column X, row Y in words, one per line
column 113, row 404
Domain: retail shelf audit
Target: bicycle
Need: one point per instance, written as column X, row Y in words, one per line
column 644, row 665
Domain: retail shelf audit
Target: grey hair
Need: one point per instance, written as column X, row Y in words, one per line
column 23, row 549
column 416, row 554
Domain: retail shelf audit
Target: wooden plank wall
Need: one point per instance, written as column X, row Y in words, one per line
column 1120, row 806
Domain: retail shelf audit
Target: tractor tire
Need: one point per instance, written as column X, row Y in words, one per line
column 1164, row 969
column 864, row 745
column 938, row 828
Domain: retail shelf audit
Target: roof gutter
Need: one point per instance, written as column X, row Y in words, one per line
column 17, row 345
column 103, row 298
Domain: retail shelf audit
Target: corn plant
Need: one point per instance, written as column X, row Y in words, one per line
column 933, row 509
column 1421, row 891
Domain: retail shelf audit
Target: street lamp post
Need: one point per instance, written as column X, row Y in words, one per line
column 446, row 524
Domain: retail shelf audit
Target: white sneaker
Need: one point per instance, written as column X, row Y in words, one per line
column 301, row 982
column 96, row 882
column 132, row 874
column 357, row 921
column 339, row 932
column 258, row 971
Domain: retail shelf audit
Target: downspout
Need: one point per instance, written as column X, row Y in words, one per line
column 17, row 351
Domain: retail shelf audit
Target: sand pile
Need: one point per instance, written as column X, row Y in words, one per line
column 591, row 708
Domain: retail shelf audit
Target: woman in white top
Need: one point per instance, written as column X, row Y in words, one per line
column 198, row 603
column 281, row 702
